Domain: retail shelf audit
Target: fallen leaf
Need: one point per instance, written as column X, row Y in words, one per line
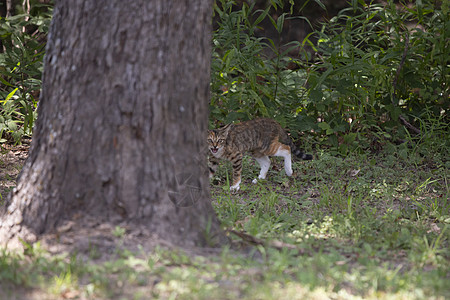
column 353, row 173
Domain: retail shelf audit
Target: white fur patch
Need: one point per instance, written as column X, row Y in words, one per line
column 286, row 154
column 264, row 162
column 235, row 188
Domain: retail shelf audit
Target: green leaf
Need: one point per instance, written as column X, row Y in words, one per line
column 16, row 17
column 324, row 126
column 228, row 57
column 316, row 95
column 343, row 149
column 320, row 4
column 272, row 21
column 350, row 137
column 6, row 82
column 394, row 111
column 403, row 154
column 12, row 126
column 262, row 16
column 280, row 23
column 324, row 76
column 306, row 123
column 333, row 140
column 10, row 95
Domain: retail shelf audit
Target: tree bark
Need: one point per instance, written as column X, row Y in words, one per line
column 122, row 121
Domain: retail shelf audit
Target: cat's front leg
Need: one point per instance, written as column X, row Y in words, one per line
column 236, row 162
column 264, row 163
column 213, row 162
column 235, row 186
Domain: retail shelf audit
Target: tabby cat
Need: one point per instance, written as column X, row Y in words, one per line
column 260, row 138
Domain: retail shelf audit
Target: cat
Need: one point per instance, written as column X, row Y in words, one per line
column 260, row 138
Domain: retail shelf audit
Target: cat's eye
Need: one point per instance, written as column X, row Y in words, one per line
column 221, row 141
column 210, row 141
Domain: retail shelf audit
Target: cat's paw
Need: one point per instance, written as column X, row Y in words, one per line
column 289, row 173
column 234, row 188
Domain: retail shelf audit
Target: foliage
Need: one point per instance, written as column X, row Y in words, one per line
column 348, row 81
column 378, row 66
column 375, row 69
column 245, row 82
column 23, row 40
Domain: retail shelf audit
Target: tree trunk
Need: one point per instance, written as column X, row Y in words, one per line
column 122, row 121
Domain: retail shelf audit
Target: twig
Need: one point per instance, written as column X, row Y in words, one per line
column 402, row 62
column 274, row 244
column 26, row 7
column 409, row 125
column 9, row 8
column 394, row 85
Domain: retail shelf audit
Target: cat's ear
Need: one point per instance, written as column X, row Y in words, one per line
column 225, row 129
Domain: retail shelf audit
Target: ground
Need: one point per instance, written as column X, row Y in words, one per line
column 11, row 162
column 85, row 237
column 367, row 226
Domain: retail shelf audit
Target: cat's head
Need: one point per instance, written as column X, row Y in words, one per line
column 217, row 139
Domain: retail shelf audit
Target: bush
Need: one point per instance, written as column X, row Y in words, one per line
column 246, row 81
column 379, row 72
column 23, row 40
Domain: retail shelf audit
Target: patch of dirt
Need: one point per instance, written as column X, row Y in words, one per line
column 12, row 158
column 95, row 240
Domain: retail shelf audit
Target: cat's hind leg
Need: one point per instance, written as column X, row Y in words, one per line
column 264, row 162
column 285, row 152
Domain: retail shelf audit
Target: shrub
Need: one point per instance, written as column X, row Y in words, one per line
column 379, row 71
column 23, row 40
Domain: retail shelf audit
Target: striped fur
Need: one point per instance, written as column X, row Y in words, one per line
column 260, row 138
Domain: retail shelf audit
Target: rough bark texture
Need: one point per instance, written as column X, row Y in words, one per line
column 122, row 121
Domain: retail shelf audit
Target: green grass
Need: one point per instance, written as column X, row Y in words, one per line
column 370, row 226
column 363, row 227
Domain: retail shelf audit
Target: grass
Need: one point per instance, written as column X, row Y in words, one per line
column 372, row 226
column 360, row 227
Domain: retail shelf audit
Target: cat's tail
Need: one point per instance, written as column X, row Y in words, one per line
column 299, row 152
